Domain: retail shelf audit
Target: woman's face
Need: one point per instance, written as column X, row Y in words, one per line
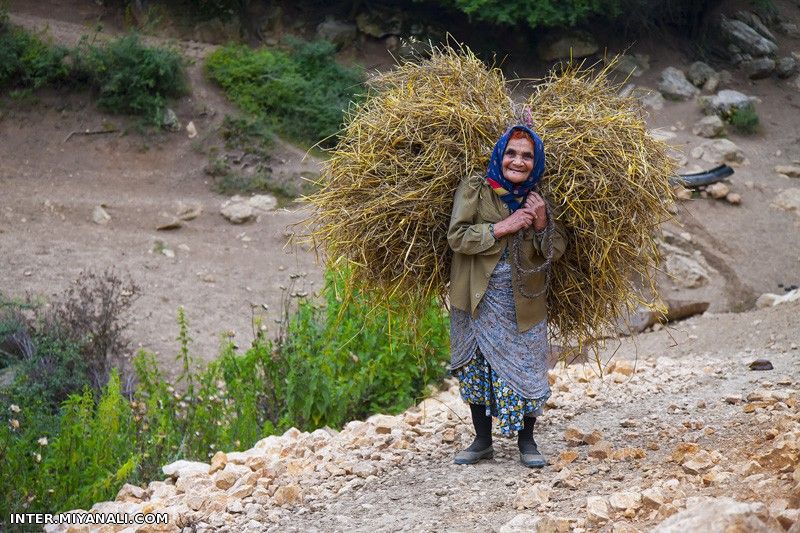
column 518, row 160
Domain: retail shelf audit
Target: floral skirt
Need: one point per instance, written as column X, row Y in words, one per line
column 480, row 385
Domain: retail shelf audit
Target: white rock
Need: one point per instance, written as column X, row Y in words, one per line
column 237, row 212
column 718, row 190
column 675, row 86
column 717, row 515
column 710, row 126
column 191, row 130
column 726, row 101
column 624, row 500
column 184, row 468
column 719, row 151
column 531, row 497
column 100, row 216
column 262, row 202
column 788, row 199
column 597, row 509
column 792, row 171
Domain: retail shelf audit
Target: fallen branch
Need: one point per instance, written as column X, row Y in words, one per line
column 88, row 132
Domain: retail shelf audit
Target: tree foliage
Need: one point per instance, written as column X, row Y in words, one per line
column 542, row 13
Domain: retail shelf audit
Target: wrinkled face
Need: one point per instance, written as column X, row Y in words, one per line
column 518, row 160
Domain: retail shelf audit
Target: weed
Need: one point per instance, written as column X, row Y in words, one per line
column 744, row 119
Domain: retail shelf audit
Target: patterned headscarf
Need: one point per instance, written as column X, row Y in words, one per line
column 513, row 195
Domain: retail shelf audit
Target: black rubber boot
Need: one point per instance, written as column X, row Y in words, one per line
column 528, row 452
column 481, row 447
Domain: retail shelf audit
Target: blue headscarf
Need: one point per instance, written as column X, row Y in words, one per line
column 513, row 195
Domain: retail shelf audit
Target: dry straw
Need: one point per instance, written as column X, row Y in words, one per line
column 387, row 190
column 608, row 180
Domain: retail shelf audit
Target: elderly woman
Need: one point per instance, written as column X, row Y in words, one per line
column 503, row 245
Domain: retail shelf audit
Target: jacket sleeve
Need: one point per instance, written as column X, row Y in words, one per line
column 463, row 235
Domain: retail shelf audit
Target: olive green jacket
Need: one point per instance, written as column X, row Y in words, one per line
column 476, row 252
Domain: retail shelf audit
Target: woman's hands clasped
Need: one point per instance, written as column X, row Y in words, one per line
column 533, row 213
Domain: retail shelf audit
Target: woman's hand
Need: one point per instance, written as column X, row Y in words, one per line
column 535, row 203
column 520, row 219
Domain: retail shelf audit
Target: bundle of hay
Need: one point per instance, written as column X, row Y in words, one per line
column 608, row 180
column 387, row 190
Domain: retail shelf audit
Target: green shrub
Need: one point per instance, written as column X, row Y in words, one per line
column 132, row 78
column 744, row 119
column 27, row 61
column 335, row 361
column 301, row 93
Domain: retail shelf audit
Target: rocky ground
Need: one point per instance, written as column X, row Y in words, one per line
column 664, row 441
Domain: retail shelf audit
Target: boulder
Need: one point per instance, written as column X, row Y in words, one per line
column 341, row 34
column 184, row 468
column 718, row 515
column 726, row 101
column 688, row 271
column 170, row 121
column 747, row 39
column 789, row 200
column 287, row 495
column 262, row 202
column 649, row 98
column 790, row 171
column 675, row 86
column 681, row 309
column 625, row 500
column 632, row 65
column 786, row 67
column 759, row 68
column 237, row 211
column 753, row 20
column 699, row 73
column 575, row 45
column 710, row 126
column 769, row 299
column 719, row 151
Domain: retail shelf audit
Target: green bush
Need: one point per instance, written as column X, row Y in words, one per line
column 27, row 61
column 334, row 361
column 744, row 119
column 302, row 93
column 132, row 78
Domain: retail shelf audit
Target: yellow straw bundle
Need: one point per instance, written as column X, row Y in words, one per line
column 387, row 190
